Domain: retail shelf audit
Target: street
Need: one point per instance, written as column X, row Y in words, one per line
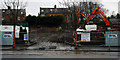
column 58, row 54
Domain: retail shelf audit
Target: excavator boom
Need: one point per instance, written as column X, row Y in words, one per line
column 101, row 14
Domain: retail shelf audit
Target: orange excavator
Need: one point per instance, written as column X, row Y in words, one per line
column 96, row 10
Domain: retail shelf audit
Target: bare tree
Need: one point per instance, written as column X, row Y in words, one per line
column 14, row 4
column 15, row 7
column 85, row 6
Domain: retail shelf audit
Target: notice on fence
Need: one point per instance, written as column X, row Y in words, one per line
column 25, row 37
column 85, row 37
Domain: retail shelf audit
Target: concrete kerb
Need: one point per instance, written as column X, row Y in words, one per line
column 56, row 49
column 91, row 50
column 63, row 50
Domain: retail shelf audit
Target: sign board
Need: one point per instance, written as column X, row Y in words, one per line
column 78, row 32
column 85, row 37
column 91, row 27
column 25, row 37
column 112, row 35
column 7, row 28
column 17, row 28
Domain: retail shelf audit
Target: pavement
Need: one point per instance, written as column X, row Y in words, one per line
column 17, row 47
column 88, row 48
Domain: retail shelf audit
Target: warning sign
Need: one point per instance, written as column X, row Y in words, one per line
column 85, row 37
column 25, row 37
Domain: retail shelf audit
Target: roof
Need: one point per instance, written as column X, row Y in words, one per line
column 54, row 10
column 114, row 21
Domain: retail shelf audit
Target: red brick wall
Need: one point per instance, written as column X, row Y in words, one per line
column 7, row 18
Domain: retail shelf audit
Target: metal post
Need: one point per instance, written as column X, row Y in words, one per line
column 14, row 18
column 14, row 39
column 109, row 42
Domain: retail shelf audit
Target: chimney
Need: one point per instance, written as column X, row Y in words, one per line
column 55, row 6
column 9, row 7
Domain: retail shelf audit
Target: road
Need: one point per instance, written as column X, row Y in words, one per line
column 58, row 54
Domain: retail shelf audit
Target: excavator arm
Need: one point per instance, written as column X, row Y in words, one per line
column 105, row 19
column 79, row 13
column 101, row 14
column 84, row 16
column 92, row 14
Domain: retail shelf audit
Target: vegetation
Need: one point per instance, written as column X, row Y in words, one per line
column 85, row 7
column 116, row 16
column 48, row 21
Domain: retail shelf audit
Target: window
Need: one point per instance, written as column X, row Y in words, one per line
column 42, row 14
column 3, row 11
column 2, row 17
column 18, row 18
column 55, row 10
column 42, row 10
column 22, row 13
column 8, row 11
column 51, row 9
column 68, row 10
column 51, row 15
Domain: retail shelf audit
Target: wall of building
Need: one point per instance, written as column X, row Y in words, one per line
column 7, row 15
column 7, row 18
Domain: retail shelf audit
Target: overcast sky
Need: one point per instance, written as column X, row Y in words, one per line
column 33, row 6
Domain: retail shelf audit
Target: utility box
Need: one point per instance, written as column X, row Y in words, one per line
column 112, row 38
column 21, row 34
column 17, row 32
column 7, row 35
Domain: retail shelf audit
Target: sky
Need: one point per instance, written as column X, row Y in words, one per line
column 33, row 6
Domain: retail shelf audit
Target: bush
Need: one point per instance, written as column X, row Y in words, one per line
column 49, row 21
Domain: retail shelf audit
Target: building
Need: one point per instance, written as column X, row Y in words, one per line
column 55, row 11
column 115, row 24
column 9, row 15
column 119, row 7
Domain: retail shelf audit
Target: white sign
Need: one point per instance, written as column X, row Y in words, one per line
column 78, row 32
column 17, row 28
column 91, row 27
column 85, row 37
column 7, row 28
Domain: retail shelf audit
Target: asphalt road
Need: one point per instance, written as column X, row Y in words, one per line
column 58, row 54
